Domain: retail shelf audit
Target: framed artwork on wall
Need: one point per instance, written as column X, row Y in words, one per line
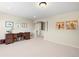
column 9, row 24
column 60, row 25
column 72, row 24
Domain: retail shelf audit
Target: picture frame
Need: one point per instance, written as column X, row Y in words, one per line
column 9, row 24
column 72, row 24
column 60, row 25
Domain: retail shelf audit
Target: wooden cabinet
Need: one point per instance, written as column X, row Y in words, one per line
column 9, row 38
column 26, row 35
column 13, row 37
column 2, row 41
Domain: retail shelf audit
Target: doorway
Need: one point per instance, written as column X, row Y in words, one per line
column 40, row 28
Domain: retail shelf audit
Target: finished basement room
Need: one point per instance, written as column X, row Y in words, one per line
column 39, row 29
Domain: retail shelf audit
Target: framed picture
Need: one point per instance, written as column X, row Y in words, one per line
column 9, row 24
column 72, row 24
column 60, row 25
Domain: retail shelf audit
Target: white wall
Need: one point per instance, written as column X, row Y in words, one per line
column 66, row 37
column 17, row 20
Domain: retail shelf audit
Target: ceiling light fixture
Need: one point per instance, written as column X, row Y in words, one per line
column 43, row 4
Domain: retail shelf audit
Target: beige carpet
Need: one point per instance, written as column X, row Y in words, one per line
column 37, row 48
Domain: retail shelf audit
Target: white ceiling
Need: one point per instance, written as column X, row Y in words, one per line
column 31, row 10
